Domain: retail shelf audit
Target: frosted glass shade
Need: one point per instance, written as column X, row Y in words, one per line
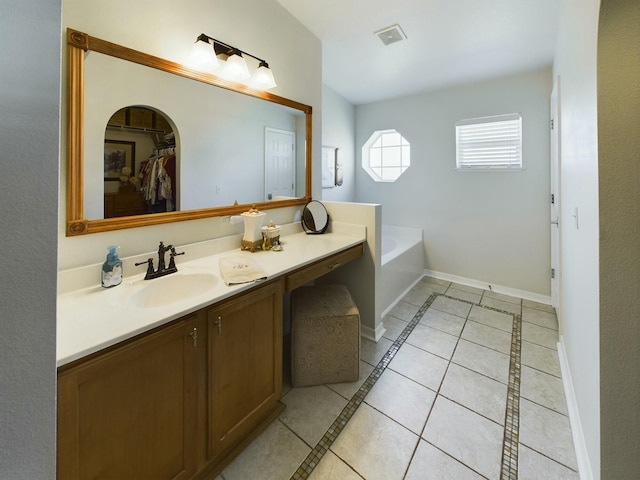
column 202, row 57
column 236, row 69
column 263, row 78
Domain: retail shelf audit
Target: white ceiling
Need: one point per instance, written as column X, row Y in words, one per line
column 449, row 42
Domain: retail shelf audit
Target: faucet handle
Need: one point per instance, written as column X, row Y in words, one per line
column 172, row 262
column 149, row 263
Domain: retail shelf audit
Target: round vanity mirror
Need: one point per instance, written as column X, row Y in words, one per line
column 315, row 218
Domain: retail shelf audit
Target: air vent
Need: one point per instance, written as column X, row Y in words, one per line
column 391, row 34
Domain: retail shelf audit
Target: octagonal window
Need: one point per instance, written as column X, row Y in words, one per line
column 386, row 155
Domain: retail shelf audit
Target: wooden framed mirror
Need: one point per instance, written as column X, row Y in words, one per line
column 221, row 168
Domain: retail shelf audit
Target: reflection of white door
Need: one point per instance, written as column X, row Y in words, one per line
column 280, row 163
column 555, row 197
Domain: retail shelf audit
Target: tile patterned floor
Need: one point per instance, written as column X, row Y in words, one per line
column 465, row 384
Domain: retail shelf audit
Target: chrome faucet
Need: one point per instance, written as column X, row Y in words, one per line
column 162, row 269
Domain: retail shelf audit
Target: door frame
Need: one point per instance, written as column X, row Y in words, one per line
column 554, row 210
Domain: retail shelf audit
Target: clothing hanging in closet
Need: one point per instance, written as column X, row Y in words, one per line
column 158, row 181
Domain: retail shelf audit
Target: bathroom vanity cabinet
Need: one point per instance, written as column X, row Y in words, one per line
column 181, row 400
column 136, row 411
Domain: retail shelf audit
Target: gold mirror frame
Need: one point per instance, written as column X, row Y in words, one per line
column 77, row 44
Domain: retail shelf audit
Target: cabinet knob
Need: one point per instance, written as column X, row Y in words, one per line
column 218, row 322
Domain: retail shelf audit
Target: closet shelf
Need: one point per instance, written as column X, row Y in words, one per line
column 137, row 129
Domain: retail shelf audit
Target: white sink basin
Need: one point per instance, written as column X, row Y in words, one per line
column 172, row 288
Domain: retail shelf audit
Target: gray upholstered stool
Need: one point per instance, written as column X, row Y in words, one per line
column 325, row 336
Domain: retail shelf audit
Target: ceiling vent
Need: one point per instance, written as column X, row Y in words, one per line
column 391, row 34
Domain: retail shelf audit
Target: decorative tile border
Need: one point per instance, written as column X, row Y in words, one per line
column 512, row 417
column 510, row 441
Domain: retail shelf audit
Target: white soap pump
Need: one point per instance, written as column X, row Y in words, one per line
column 252, row 238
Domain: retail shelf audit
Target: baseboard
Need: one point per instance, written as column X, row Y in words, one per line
column 395, row 302
column 582, row 456
column 371, row 334
column 470, row 282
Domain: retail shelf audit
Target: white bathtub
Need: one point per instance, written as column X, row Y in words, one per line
column 402, row 262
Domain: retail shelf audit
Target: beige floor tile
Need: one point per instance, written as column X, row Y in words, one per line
column 542, row 388
column 466, row 436
column 429, row 463
column 311, row 411
column 503, row 297
column 481, row 394
column 503, row 321
column 463, row 295
column 420, row 366
column 372, row 352
column 435, row 281
column 487, row 336
column 404, row 311
column 482, row 360
column 501, row 305
column 539, row 335
column 417, row 296
column 401, row 399
column 443, row 321
column 432, row 340
column 540, row 358
column 394, row 327
column 547, row 432
column 533, row 466
column 538, row 317
column 375, row 446
column 332, row 468
column 349, row 389
column 467, row 288
column 455, row 307
column 539, row 306
column 428, row 288
column 273, row 455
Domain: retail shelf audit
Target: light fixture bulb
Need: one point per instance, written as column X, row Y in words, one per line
column 263, row 77
column 202, row 56
column 236, row 68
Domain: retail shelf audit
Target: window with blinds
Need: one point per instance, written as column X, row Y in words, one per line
column 489, row 143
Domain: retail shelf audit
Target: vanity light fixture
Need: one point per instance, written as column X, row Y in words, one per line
column 208, row 54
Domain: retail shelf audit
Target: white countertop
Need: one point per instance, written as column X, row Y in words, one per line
column 94, row 318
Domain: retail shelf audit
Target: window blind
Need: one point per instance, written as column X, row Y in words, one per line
column 489, row 142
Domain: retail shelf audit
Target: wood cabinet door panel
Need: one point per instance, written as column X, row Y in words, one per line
column 245, row 364
column 130, row 413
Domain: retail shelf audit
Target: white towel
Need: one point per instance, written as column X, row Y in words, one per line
column 240, row 268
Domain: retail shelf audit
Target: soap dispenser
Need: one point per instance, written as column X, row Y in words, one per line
column 112, row 268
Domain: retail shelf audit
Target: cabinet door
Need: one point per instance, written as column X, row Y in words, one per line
column 130, row 413
column 245, row 366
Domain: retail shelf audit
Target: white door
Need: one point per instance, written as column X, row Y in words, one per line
column 555, row 196
column 280, row 163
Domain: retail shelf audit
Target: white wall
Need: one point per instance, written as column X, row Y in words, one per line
column 362, row 276
column 338, row 130
column 162, row 29
column 575, row 64
column 619, row 188
column 29, row 135
column 486, row 226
